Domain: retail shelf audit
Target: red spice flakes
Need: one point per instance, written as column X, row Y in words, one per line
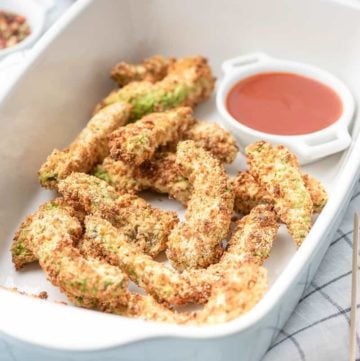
column 13, row 29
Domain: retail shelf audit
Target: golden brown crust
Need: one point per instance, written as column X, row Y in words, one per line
column 188, row 82
column 162, row 174
column 236, row 293
column 250, row 243
column 51, row 234
column 21, row 250
column 196, row 243
column 21, row 253
column 248, row 193
column 89, row 148
column 253, row 237
column 151, row 69
column 146, row 226
column 162, row 282
column 137, row 142
column 276, row 169
column 90, row 283
column 119, row 175
column 317, row 192
column 213, row 138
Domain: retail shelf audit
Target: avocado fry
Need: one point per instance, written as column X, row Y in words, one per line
column 197, row 243
column 51, row 234
column 188, row 82
column 89, row 148
column 146, row 227
column 151, row 69
column 277, row 170
column 248, row 193
column 137, row 142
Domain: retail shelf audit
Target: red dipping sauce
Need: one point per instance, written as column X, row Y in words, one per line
column 283, row 104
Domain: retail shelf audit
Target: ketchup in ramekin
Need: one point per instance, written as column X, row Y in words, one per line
column 283, row 103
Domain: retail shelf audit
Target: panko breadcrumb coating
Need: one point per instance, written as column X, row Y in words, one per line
column 248, row 193
column 145, row 226
column 162, row 282
column 20, row 251
column 138, row 141
column 236, row 293
column 188, row 82
column 250, row 243
column 119, row 175
column 317, row 192
column 196, row 243
column 161, row 173
column 215, row 139
column 276, row 169
column 253, row 237
column 151, row 69
column 89, row 148
column 51, row 234
column 91, row 283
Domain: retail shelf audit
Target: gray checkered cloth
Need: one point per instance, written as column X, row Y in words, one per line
column 318, row 330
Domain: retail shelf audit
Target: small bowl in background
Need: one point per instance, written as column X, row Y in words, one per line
column 34, row 12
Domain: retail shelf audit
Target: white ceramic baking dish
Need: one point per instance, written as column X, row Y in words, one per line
column 51, row 102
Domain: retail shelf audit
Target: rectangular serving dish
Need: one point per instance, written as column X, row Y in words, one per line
column 51, row 102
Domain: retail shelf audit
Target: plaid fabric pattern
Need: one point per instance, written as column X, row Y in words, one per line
column 318, row 330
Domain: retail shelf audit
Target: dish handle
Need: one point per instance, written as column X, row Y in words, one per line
column 244, row 60
column 339, row 141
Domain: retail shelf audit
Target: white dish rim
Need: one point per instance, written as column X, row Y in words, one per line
column 349, row 172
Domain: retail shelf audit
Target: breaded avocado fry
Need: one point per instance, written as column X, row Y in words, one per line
column 162, row 282
column 250, row 243
column 276, row 169
column 89, row 148
column 197, row 243
column 248, row 193
column 146, row 227
column 151, row 69
column 20, row 251
column 137, row 142
column 213, row 138
column 317, row 192
column 161, row 173
column 234, row 294
column 188, row 82
column 253, row 237
column 51, row 234
column 118, row 174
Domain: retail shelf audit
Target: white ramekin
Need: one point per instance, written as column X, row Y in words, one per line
column 309, row 147
column 34, row 12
